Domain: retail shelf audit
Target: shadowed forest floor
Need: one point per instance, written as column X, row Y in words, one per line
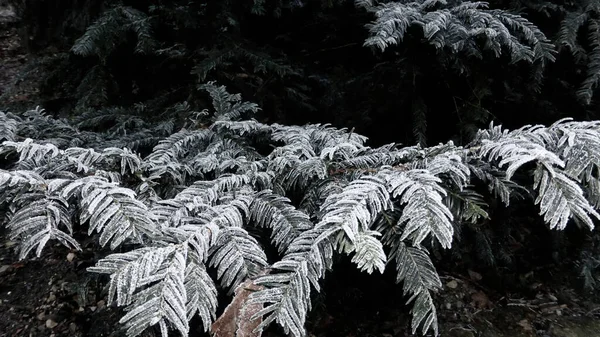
column 54, row 296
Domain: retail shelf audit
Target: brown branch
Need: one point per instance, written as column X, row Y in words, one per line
column 235, row 320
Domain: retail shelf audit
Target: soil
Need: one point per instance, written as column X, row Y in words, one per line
column 54, row 295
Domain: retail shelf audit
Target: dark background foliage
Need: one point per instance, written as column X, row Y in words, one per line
column 303, row 61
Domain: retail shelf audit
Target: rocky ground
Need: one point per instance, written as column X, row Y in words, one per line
column 54, row 296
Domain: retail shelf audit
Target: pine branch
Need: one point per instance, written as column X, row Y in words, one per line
column 8, row 127
column 110, row 29
column 193, row 204
column 420, row 277
column 456, row 27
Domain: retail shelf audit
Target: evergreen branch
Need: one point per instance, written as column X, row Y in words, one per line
column 417, row 272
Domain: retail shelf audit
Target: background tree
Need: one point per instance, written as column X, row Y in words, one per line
column 464, row 63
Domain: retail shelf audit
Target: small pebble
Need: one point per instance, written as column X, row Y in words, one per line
column 50, row 324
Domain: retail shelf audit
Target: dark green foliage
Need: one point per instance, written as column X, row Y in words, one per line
column 302, row 60
column 110, row 30
column 55, row 23
column 195, row 202
column 463, row 27
column 580, row 35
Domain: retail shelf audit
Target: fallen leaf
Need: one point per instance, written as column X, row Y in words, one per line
column 70, row 256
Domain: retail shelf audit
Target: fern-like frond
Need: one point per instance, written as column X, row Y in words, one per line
column 28, row 150
column 496, row 181
column 39, row 221
column 262, row 62
column 388, row 155
column 110, row 29
column 318, row 192
column 276, row 212
column 286, row 293
column 8, row 127
column 299, row 174
column 456, row 26
column 29, row 179
column 586, row 51
column 592, row 79
column 417, row 272
column 200, row 291
column 129, row 161
column 163, row 302
column 139, row 23
column 313, row 139
column 176, row 146
column 356, row 207
column 424, row 211
column 84, row 159
column 199, row 193
column 369, row 253
column 228, row 106
column 237, row 256
column 450, row 166
column 163, row 270
column 112, row 211
column 559, row 197
column 467, row 205
column 567, row 36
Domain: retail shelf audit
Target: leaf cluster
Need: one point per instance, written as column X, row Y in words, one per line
column 196, row 201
